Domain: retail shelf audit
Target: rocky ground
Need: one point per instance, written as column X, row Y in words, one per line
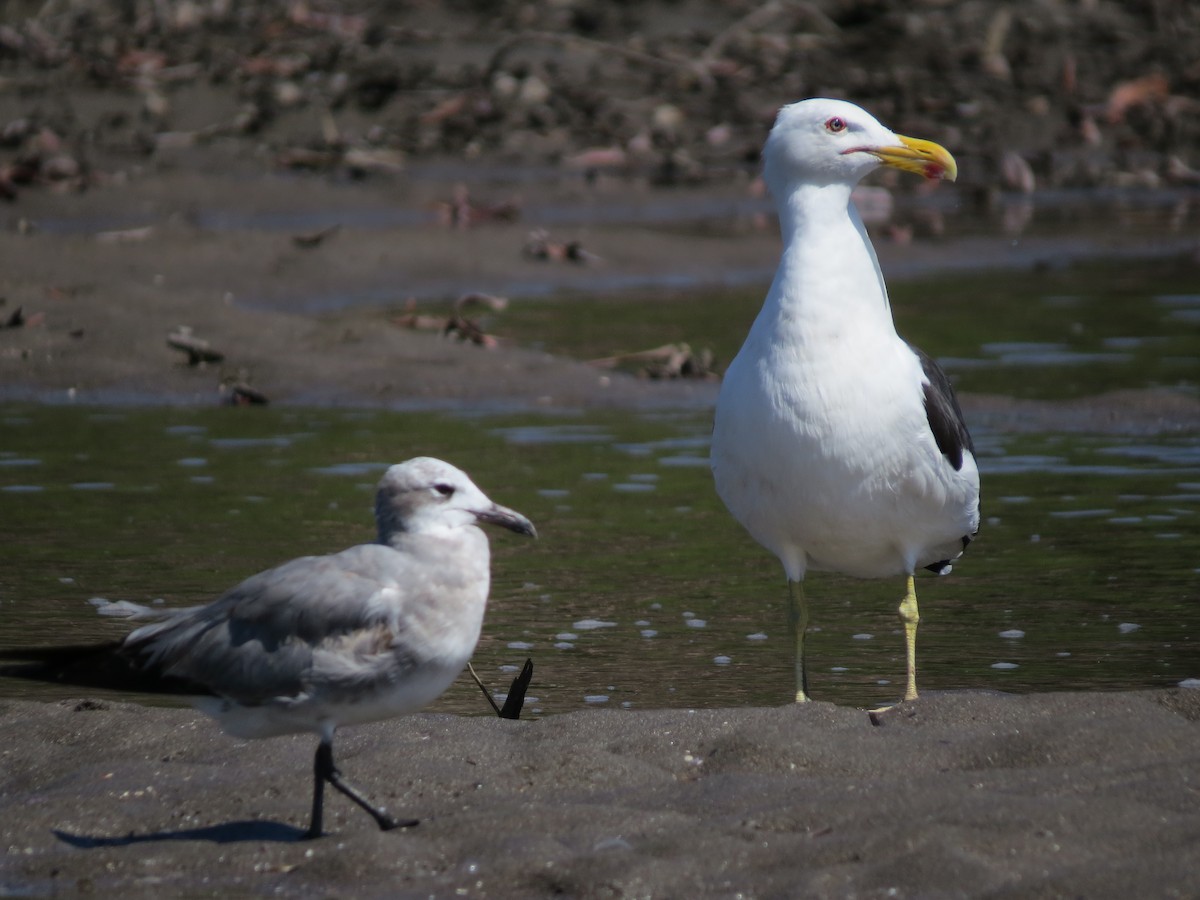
column 1044, row 93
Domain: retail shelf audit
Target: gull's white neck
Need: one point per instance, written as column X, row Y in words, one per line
column 828, row 283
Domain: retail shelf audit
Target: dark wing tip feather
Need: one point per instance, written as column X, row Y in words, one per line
column 93, row 666
column 943, row 412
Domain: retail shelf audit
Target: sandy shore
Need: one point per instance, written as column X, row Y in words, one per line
column 959, row 794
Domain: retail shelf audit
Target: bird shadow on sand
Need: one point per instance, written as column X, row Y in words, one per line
column 228, row 833
column 277, row 832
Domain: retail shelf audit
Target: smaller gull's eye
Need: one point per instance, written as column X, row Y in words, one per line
column 835, row 125
column 446, row 490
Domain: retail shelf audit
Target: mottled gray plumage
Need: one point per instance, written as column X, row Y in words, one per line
column 372, row 632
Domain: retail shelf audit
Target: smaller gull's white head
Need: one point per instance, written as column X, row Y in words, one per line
column 426, row 494
column 825, row 142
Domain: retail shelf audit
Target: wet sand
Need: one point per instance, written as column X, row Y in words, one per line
column 314, row 326
column 958, row 794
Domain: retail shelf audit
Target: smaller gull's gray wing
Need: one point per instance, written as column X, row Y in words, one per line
column 258, row 640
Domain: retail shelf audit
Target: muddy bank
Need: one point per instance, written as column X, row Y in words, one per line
column 959, row 794
column 103, row 280
column 283, row 178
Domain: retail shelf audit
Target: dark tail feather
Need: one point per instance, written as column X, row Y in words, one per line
column 92, row 666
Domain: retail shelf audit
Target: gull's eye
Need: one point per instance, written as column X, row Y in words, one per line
column 446, row 490
column 836, row 125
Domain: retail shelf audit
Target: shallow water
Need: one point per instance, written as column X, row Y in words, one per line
column 1043, row 334
column 642, row 591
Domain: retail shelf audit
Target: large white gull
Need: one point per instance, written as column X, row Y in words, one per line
column 836, row 444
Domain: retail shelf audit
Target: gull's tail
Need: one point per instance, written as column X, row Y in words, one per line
column 109, row 666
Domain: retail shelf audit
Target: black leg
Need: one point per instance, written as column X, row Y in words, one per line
column 325, row 770
column 323, row 760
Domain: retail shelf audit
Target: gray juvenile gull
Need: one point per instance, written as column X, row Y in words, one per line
column 369, row 633
column 837, row 445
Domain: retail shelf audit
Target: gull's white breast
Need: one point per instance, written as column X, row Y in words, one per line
column 823, row 452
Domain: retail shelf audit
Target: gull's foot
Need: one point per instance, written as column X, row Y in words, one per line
column 909, row 695
column 382, row 819
column 876, row 715
column 387, row 823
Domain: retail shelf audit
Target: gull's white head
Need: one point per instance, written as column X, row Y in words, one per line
column 824, row 142
column 427, row 494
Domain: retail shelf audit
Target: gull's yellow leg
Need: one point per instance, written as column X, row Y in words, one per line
column 798, row 620
column 910, row 617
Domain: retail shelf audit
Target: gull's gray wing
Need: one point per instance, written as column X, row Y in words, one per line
column 263, row 638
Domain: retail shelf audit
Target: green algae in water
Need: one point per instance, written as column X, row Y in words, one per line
column 642, row 589
column 1048, row 334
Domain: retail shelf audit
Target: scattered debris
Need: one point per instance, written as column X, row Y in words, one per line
column 456, row 325
column 667, row 361
column 308, row 159
column 416, row 321
column 241, row 394
column 315, row 238
column 541, row 246
column 487, row 301
column 1149, row 89
column 126, row 235
column 362, row 161
column 18, row 319
column 356, row 162
column 463, row 329
column 599, row 159
column 1016, row 174
column 197, row 349
column 15, row 320
column 461, row 213
column 1179, row 172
